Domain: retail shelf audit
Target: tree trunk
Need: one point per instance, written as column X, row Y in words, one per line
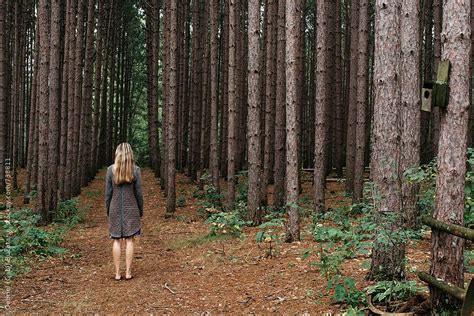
column 232, row 116
column 42, row 206
column 362, row 73
column 214, row 157
column 253, row 123
column 70, row 143
column 339, row 111
column 387, row 257
column 171, row 109
column 78, row 74
column 270, row 69
column 321, row 104
column 54, row 89
column 280, row 115
column 153, row 20
column 447, row 250
column 98, row 85
column 425, row 147
column 435, row 120
column 86, row 126
column 64, row 107
column 32, row 161
column 225, row 91
column 293, row 15
column 410, row 113
column 351, row 97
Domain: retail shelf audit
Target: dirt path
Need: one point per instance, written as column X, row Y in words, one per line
column 200, row 277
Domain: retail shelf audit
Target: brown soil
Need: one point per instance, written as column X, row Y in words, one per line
column 177, row 270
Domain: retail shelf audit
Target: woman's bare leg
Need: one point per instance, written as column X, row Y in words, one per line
column 116, row 256
column 128, row 257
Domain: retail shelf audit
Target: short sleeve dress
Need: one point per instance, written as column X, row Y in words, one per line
column 124, row 204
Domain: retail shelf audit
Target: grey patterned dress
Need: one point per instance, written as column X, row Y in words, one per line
column 124, row 205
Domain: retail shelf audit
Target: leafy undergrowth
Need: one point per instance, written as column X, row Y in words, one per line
column 207, row 261
column 23, row 241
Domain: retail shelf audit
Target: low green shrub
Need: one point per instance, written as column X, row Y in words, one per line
column 69, row 213
column 22, row 239
column 389, row 291
column 226, row 223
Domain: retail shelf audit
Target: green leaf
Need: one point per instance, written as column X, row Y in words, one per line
column 339, row 293
column 349, row 282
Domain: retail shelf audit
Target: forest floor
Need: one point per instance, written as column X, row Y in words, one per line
column 179, row 270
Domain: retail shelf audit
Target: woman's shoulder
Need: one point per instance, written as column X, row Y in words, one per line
column 110, row 170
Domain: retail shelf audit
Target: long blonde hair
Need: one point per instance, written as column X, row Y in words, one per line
column 124, row 164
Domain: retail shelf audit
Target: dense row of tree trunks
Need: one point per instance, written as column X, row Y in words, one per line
column 52, row 111
column 228, row 91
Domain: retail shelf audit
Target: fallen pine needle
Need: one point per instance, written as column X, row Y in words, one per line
column 168, row 288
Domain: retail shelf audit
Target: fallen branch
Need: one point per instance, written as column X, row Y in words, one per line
column 453, row 290
column 449, row 228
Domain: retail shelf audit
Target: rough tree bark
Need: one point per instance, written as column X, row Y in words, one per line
column 447, row 250
column 253, row 122
column 387, row 256
column 361, row 104
column 43, row 29
column 54, row 88
column 78, row 80
column 86, row 126
column 171, row 109
column 280, row 115
column 435, row 119
column 321, row 103
column 232, row 116
column 214, row 137
column 270, row 69
column 293, row 16
column 410, row 110
column 339, row 111
column 352, row 96
column 427, row 34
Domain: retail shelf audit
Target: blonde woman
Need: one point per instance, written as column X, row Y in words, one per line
column 124, row 203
